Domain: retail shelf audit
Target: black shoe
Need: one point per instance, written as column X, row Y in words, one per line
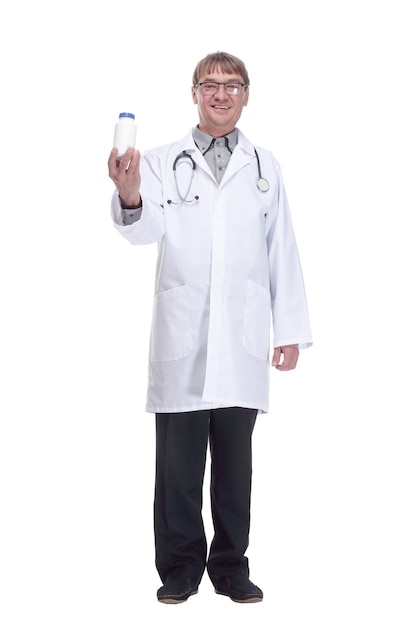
column 176, row 590
column 239, row 589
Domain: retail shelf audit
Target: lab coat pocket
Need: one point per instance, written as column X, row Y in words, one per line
column 256, row 324
column 171, row 332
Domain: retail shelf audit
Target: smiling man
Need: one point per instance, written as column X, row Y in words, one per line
column 227, row 266
column 219, row 103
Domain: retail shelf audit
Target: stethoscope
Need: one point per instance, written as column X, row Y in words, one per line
column 262, row 183
column 191, row 163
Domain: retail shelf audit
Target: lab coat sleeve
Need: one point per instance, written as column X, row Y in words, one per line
column 149, row 228
column 290, row 317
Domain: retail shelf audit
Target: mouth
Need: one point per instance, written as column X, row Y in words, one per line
column 221, row 107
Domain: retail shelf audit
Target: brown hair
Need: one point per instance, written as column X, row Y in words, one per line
column 226, row 63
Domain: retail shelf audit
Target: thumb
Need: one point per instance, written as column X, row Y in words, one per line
column 276, row 357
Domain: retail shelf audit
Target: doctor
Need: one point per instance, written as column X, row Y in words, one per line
column 227, row 269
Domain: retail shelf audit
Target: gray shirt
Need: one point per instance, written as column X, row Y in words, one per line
column 217, row 152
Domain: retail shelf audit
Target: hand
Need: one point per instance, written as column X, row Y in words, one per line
column 285, row 357
column 124, row 173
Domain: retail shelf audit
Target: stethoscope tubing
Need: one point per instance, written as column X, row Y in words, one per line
column 262, row 183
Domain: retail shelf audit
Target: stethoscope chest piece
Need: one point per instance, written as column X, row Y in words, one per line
column 262, row 184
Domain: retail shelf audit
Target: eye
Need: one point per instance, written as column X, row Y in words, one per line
column 232, row 88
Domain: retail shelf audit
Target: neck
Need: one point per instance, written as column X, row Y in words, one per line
column 215, row 132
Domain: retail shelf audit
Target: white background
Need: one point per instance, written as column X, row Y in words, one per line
column 333, row 537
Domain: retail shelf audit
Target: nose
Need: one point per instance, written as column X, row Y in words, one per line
column 222, row 94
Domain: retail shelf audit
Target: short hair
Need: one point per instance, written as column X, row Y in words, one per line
column 222, row 61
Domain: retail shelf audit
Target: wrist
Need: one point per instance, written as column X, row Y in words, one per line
column 134, row 202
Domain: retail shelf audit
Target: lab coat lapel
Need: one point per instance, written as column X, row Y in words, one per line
column 238, row 160
column 188, row 144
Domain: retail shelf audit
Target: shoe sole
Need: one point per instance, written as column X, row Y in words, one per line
column 173, row 600
column 246, row 601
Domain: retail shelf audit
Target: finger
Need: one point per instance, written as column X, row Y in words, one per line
column 129, row 161
column 113, row 163
column 132, row 168
column 285, row 367
column 125, row 161
column 135, row 160
column 276, row 357
column 289, row 362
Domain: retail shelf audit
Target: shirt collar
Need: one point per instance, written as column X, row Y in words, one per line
column 204, row 141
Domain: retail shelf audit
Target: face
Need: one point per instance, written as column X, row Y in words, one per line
column 219, row 113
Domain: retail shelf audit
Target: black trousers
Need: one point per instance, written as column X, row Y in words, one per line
column 181, row 449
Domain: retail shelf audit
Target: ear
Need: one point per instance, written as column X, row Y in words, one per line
column 194, row 94
column 246, row 98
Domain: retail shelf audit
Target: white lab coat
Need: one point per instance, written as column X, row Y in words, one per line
column 227, row 267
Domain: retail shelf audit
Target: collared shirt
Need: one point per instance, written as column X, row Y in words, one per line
column 217, row 153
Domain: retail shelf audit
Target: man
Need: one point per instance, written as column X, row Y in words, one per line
column 227, row 258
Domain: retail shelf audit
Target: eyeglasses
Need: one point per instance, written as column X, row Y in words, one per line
column 232, row 89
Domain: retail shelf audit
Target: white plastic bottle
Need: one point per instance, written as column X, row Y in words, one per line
column 124, row 133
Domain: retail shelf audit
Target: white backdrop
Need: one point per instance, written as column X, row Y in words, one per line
column 333, row 537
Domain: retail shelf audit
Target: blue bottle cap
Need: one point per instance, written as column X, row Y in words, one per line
column 127, row 115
